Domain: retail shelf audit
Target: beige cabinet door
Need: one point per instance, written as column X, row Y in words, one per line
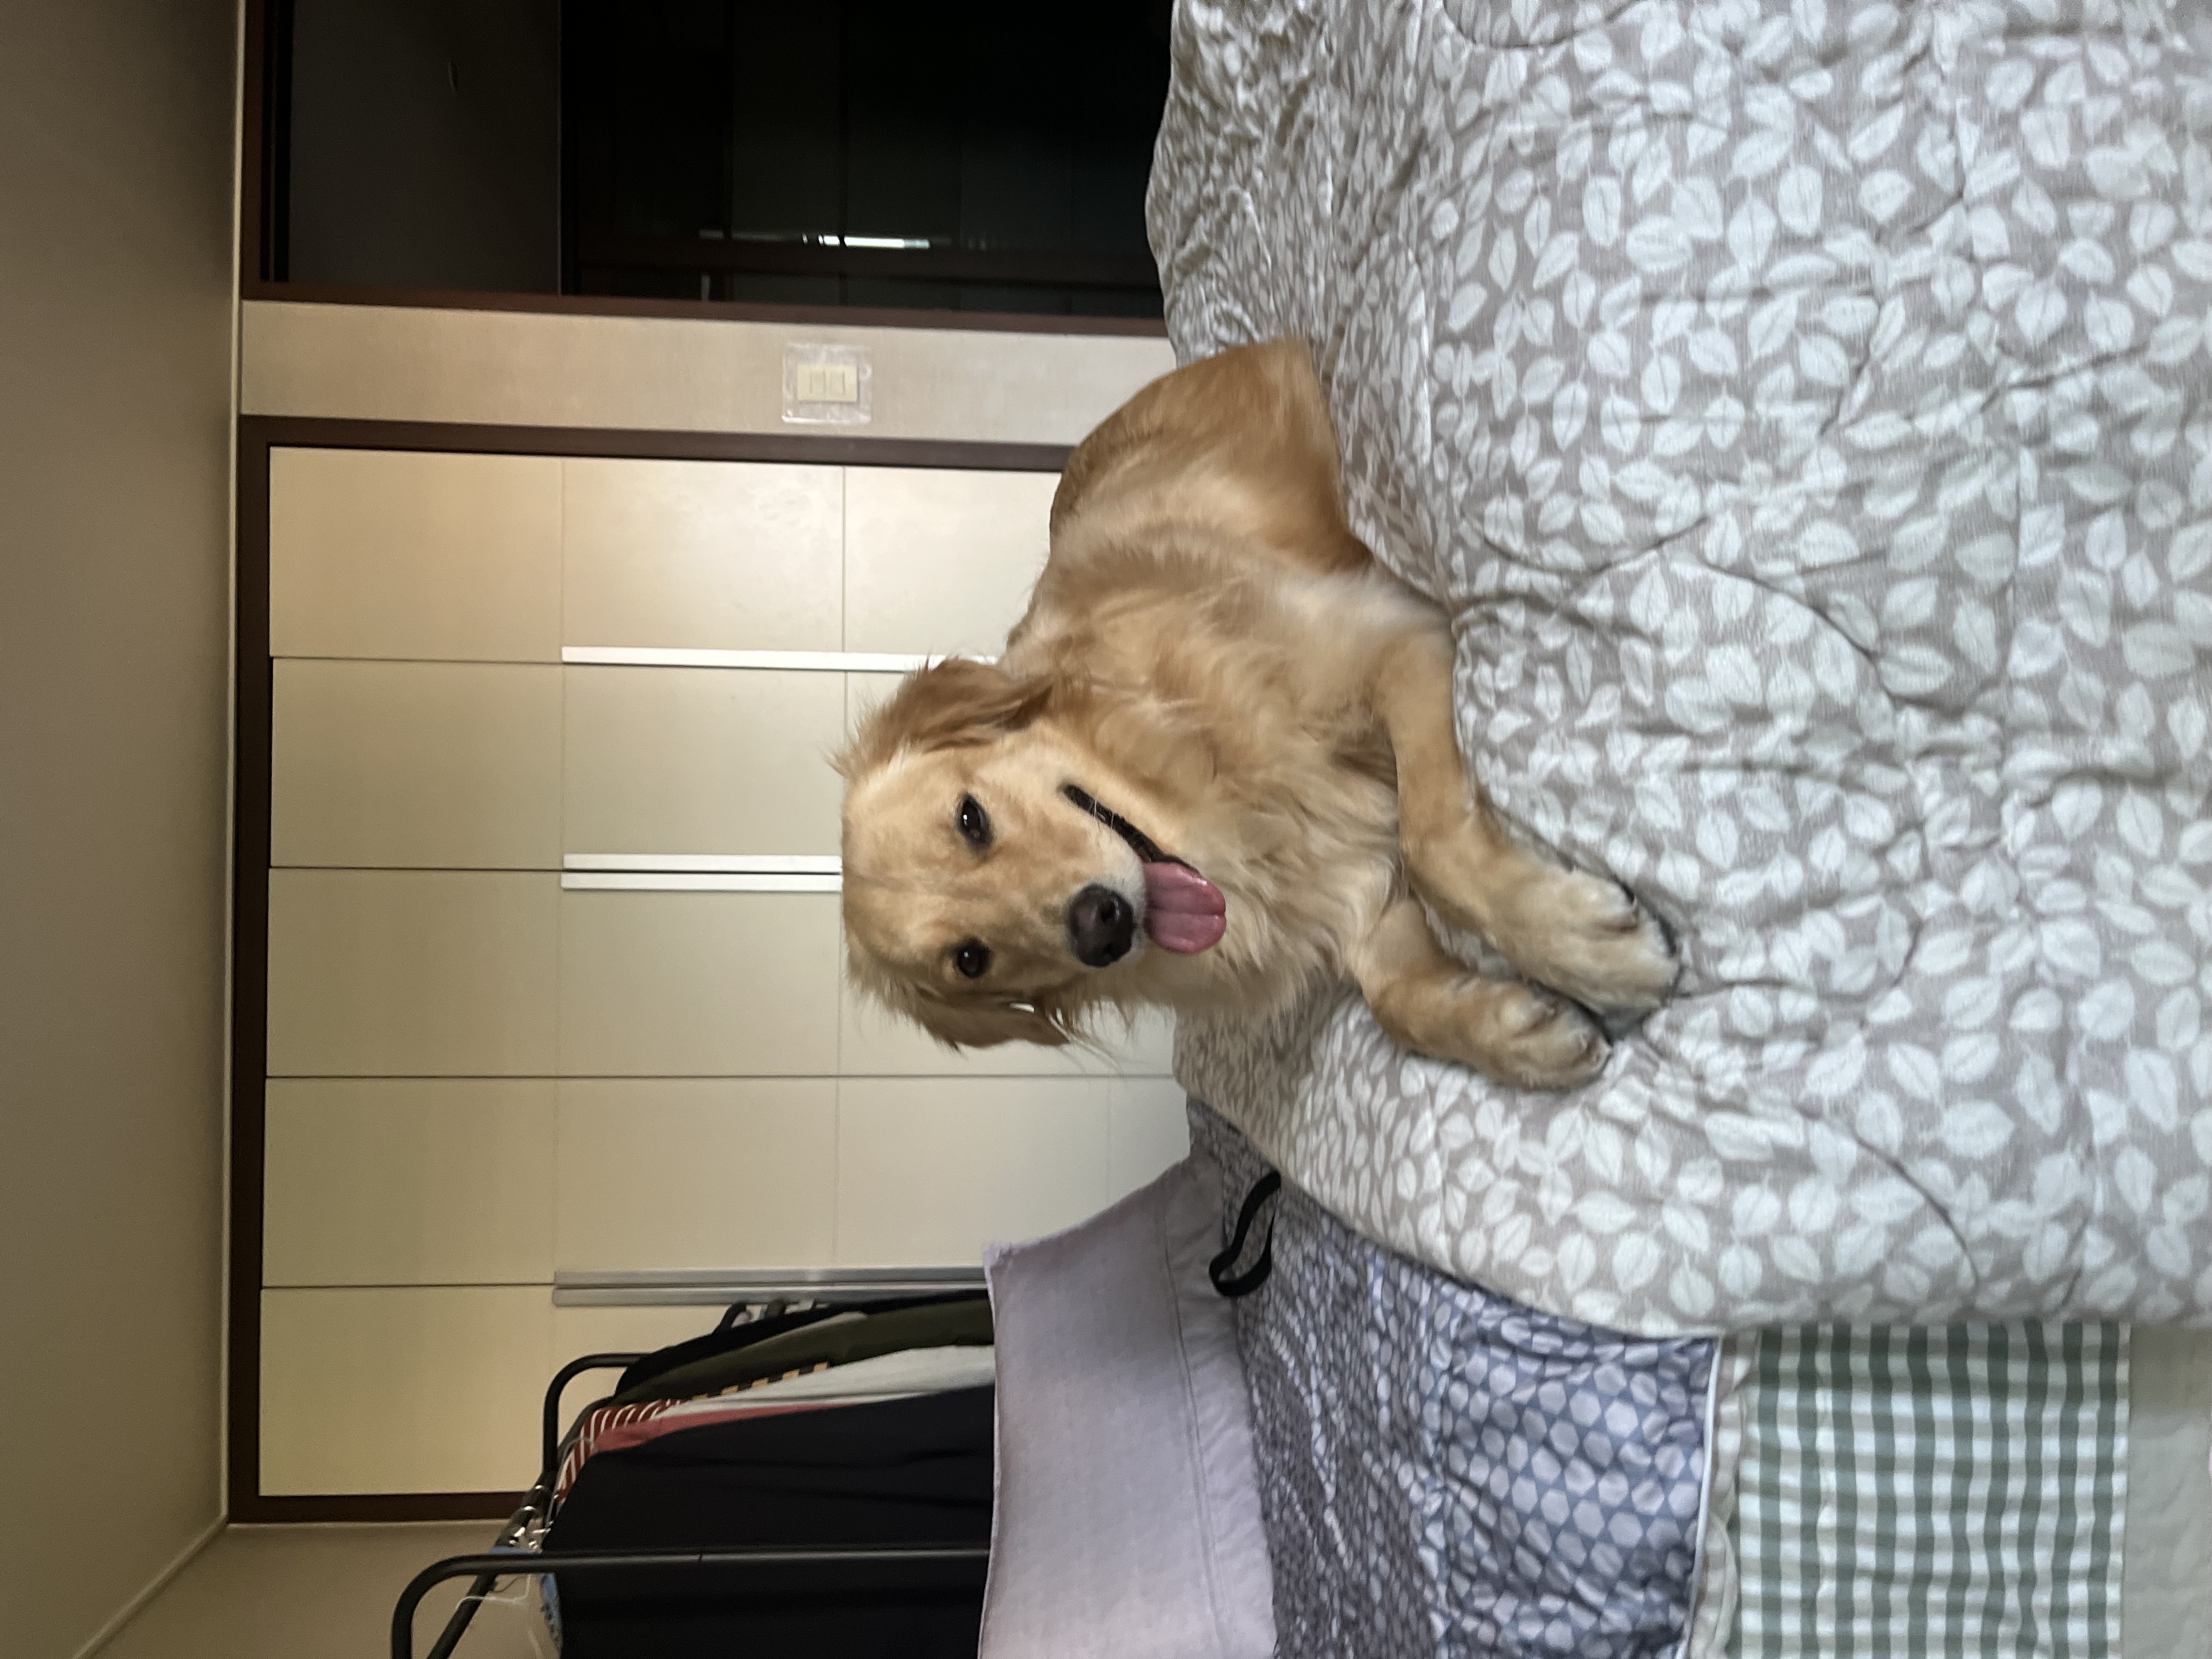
column 724, row 555
column 688, row 1173
column 415, row 1181
column 929, row 1170
column 436, row 765
column 405, row 555
column 419, row 1389
column 941, row 563
column 691, row 760
column 690, row 984
column 412, row 973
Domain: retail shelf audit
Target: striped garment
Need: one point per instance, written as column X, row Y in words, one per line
column 588, row 1437
column 1955, row 1493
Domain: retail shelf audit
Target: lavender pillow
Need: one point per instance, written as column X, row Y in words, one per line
column 1128, row 1522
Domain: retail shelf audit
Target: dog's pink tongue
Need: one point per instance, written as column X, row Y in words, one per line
column 1184, row 911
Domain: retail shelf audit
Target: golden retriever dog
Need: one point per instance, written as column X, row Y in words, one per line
column 1216, row 763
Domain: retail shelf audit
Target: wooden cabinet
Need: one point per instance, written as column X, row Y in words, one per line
column 554, row 961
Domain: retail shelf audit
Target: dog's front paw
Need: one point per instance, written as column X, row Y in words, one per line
column 1547, row 1042
column 1590, row 938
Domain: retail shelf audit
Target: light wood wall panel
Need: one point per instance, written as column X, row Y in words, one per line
column 704, row 760
column 725, row 555
column 660, row 984
column 941, row 562
column 414, row 1389
column 929, row 1170
column 677, row 1173
column 414, row 973
column 434, row 765
column 408, row 1182
column 404, row 554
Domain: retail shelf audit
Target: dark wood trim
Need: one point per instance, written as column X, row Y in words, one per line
column 249, row 972
column 249, row 1031
column 710, row 311
column 818, row 448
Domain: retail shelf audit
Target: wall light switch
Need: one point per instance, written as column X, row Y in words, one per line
column 825, row 385
column 828, row 383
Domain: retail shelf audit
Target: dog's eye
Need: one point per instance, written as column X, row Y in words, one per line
column 975, row 826
column 972, row 959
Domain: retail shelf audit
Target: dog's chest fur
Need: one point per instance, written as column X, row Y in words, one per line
column 1236, row 706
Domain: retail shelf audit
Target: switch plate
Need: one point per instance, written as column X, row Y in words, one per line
column 828, row 383
column 825, row 385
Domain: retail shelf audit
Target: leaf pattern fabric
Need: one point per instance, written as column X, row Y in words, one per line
column 1804, row 412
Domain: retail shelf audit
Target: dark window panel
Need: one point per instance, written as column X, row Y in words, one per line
column 902, row 131
column 898, row 294
column 780, row 290
column 1048, row 301
column 711, row 149
column 787, row 112
column 424, row 145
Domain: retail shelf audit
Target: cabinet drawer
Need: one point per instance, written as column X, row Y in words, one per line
column 420, row 1389
column 940, row 561
column 698, row 984
column 701, row 760
column 411, row 973
column 408, row 1182
column 396, row 554
column 685, row 1173
column 437, row 765
column 723, row 556
column 930, row 1171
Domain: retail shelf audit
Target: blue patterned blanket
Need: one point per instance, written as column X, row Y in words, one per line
column 1444, row 1472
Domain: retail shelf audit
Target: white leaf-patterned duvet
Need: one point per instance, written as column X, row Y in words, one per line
column 1805, row 412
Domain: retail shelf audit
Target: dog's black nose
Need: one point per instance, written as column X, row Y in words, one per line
column 1100, row 927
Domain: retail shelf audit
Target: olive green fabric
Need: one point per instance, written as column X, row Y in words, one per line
column 966, row 1323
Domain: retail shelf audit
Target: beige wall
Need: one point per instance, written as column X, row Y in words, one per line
column 116, row 146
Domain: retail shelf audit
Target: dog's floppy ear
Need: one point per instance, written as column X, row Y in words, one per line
column 986, row 1025
column 959, row 1024
column 948, row 705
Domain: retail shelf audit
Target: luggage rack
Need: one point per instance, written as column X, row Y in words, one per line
column 510, row 1557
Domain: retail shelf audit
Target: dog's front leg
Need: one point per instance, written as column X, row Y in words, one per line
column 1427, row 1002
column 1575, row 932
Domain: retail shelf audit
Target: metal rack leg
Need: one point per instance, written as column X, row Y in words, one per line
column 457, row 1625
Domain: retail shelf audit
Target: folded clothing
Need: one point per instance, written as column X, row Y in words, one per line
column 914, row 1471
column 958, row 1322
column 728, row 1339
column 913, row 1370
column 723, row 1339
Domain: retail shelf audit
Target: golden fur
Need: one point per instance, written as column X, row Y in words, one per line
column 1212, row 654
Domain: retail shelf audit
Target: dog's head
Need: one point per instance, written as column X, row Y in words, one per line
column 988, row 894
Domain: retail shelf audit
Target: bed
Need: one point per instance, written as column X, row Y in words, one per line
column 1804, row 413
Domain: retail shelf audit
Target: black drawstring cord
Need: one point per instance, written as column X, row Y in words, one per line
column 1252, row 1277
